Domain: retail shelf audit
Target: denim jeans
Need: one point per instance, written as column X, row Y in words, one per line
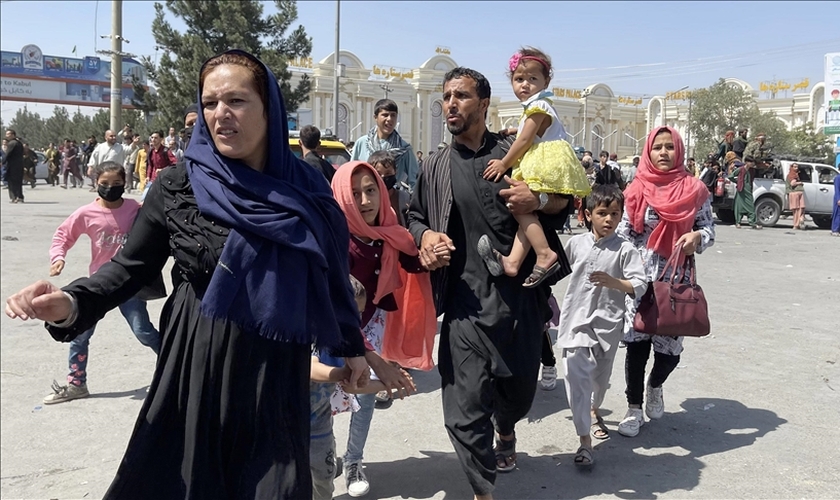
column 135, row 313
column 359, row 428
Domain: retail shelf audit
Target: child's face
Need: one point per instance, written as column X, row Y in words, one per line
column 528, row 79
column 367, row 196
column 604, row 219
column 385, row 170
column 110, row 179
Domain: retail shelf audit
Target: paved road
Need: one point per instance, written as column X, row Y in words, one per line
column 752, row 411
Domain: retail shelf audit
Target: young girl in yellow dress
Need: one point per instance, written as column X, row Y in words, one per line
column 546, row 162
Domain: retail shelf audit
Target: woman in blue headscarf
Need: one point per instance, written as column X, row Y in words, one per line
column 261, row 273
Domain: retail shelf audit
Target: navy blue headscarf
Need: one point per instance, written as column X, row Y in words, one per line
column 284, row 269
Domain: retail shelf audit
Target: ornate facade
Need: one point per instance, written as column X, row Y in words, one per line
column 596, row 118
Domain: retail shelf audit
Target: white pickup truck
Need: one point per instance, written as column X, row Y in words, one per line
column 770, row 199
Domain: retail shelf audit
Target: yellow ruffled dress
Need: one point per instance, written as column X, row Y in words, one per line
column 550, row 164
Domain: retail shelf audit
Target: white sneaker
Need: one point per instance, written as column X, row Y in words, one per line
column 357, row 483
column 654, row 404
column 633, row 421
column 549, row 378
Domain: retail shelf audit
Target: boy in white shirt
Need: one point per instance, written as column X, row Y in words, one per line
column 605, row 268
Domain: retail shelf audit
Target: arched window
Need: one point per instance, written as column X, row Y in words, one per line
column 436, row 135
column 341, row 133
column 597, row 142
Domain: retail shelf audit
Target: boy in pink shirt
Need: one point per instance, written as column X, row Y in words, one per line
column 106, row 221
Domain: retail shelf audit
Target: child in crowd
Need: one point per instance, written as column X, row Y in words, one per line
column 605, row 268
column 385, row 164
column 546, row 162
column 327, row 397
column 379, row 246
column 106, row 221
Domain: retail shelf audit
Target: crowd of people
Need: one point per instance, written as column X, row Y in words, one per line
column 251, row 369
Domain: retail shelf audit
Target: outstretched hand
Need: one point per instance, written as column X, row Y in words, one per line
column 40, row 300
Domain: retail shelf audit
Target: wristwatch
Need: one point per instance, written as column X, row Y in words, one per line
column 543, row 201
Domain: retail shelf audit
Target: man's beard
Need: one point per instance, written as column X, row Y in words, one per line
column 465, row 125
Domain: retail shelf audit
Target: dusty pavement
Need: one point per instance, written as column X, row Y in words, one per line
column 752, row 411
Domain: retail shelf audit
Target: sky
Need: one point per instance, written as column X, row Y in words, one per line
column 637, row 48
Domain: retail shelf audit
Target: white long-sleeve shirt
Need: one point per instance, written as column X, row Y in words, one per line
column 591, row 314
column 105, row 152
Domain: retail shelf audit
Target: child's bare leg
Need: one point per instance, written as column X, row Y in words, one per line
column 530, row 225
column 518, row 252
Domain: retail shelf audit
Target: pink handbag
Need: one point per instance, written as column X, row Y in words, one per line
column 672, row 308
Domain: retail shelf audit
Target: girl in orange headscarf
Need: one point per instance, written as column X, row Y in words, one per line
column 666, row 210
column 384, row 258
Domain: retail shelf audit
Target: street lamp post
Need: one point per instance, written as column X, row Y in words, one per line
column 637, row 141
column 585, row 106
column 573, row 136
column 116, row 55
column 336, row 63
column 688, row 129
column 665, row 107
column 603, row 139
column 350, row 134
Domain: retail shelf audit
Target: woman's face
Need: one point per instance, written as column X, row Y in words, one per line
column 235, row 114
column 367, row 196
column 662, row 153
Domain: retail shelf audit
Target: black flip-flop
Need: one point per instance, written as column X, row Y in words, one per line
column 539, row 274
column 491, row 257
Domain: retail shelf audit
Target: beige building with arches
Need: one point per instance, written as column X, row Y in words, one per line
column 595, row 118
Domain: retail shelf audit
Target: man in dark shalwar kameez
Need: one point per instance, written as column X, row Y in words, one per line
column 492, row 328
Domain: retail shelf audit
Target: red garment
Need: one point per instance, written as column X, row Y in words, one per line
column 395, row 237
column 157, row 160
column 410, row 330
column 675, row 195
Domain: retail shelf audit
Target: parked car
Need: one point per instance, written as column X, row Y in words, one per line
column 333, row 151
column 771, row 200
column 42, row 171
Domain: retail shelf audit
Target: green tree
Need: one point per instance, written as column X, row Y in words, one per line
column 58, row 126
column 214, row 26
column 715, row 110
column 806, row 142
column 29, row 128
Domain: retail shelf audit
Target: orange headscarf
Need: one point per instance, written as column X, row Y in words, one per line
column 395, row 237
column 675, row 195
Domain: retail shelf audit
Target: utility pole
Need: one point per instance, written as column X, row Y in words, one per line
column 116, row 65
column 387, row 88
column 117, row 55
column 336, row 64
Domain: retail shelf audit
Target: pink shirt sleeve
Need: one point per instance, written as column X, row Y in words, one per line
column 67, row 234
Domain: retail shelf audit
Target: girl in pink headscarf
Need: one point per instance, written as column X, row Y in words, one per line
column 666, row 210
column 379, row 249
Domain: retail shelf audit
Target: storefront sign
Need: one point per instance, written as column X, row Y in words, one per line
column 392, row 72
column 571, row 93
column 832, row 94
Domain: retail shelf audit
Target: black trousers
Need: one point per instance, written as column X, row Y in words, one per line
column 476, row 398
column 14, row 177
column 547, row 355
column 635, row 364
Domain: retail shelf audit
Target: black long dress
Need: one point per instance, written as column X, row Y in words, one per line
column 227, row 414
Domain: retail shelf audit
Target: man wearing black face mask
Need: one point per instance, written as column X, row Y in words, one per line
column 310, row 139
column 190, row 117
column 386, row 165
